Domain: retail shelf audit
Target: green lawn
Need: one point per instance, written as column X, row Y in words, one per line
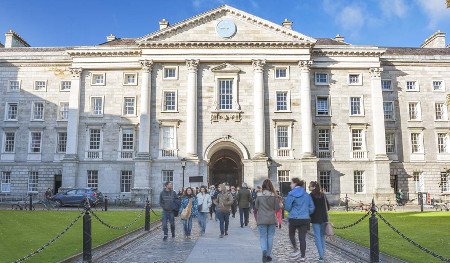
column 22, row 232
column 430, row 229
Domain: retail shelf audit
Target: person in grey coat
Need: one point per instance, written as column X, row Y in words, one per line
column 244, row 200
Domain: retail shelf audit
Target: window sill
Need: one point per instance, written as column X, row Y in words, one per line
column 12, row 120
column 282, row 111
column 102, row 84
column 132, row 84
column 64, row 90
column 357, row 115
column 389, row 120
column 169, row 111
column 323, row 115
column 441, row 120
column 387, row 90
column 413, row 90
column 13, row 91
column 62, row 120
column 175, row 78
column 356, row 84
column 322, row 84
column 414, row 120
column 37, row 120
column 282, row 78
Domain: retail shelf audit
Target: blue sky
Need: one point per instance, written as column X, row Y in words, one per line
column 366, row 22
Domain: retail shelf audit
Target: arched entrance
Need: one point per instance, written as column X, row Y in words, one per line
column 225, row 166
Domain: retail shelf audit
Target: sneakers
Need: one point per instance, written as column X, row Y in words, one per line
column 269, row 258
column 264, row 256
column 321, row 260
column 295, row 254
column 302, row 259
column 226, row 233
column 221, row 236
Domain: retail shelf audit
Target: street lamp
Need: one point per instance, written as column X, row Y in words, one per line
column 269, row 164
column 183, row 165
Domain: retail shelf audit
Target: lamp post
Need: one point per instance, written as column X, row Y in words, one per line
column 183, row 165
column 269, row 164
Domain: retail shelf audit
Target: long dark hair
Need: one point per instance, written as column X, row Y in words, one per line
column 298, row 182
column 186, row 194
column 317, row 191
column 267, row 185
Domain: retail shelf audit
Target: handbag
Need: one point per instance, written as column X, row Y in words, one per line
column 186, row 213
column 329, row 231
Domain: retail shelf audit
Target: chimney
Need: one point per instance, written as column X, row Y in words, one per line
column 163, row 24
column 339, row 38
column 287, row 24
column 437, row 40
column 12, row 39
column 110, row 38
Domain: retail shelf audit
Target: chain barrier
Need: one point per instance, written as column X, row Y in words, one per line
column 426, row 250
column 355, row 223
column 51, row 241
column 117, row 227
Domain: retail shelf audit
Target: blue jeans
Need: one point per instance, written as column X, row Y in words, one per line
column 168, row 216
column 319, row 237
column 187, row 224
column 266, row 233
column 202, row 221
column 224, row 221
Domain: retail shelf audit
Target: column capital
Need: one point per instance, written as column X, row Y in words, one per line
column 192, row 64
column 76, row 72
column 305, row 64
column 146, row 65
column 258, row 64
column 375, row 72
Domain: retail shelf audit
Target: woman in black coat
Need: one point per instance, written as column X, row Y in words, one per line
column 319, row 217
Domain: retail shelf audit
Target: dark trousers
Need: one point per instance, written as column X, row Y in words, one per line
column 302, row 225
column 224, row 221
column 233, row 209
column 168, row 216
column 243, row 215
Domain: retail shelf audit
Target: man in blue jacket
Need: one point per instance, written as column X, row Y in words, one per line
column 299, row 205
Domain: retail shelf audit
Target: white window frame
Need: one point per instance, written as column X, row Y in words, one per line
column 419, row 141
column 91, row 181
column 446, row 144
column 328, row 105
column 5, row 182
column 393, row 111
column 321, row 178
column 288, row 100
column 30, row 142
column 61, row 86
column 7, row 111
column 394, row 144
column 445, row 188
column 231, row 102
column 326, row 83
column 163, row 101
column 124, row 108
column 419, row 181
column 362, row 183
column 360, row 80
column 170, row 78
column 444, row 111
column 283, row 176
column 58, row 142
column 33, row 181
column 92, row 112
column 361, row 106
column 162, row 150
column 93, row 75
column 88, row 139
column 280, row 152
column 416, row 86
column 33, row 116
column 442, row 88
column 40, row 81
column 126, row 181
column 14, row 90
column 391, row 88
column 418, row 109
column 319, row 141
column 125, row 79
column 121, row 145
column 278, row 68
column 4, row 142
column 235, row 98
column 166, row 175
column 60, row 111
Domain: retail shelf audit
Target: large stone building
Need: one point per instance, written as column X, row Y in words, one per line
column 225, row 96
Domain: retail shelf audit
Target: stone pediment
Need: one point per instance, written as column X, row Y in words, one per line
column 204, row 28
column 226, row 68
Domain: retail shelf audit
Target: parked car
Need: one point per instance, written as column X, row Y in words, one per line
column 77, row 196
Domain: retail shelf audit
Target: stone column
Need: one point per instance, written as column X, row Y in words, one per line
column 144, row 115
column 377, row 114
column 258, row 107
column 306, row 112
column 191, row 109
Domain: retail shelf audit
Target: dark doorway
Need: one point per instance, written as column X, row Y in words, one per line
column 57, row 183
column 225, row 167
column 394, row 182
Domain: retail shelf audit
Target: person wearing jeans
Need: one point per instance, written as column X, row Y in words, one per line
column 223, row 203
column 188, row 210
column 169, row 201
column 266, row 203
column 204, row 204
column 244, row 200
column 319, row 218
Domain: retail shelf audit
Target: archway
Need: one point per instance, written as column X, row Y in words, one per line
column 225, row 166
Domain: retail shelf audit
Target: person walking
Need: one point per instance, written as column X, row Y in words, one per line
column 244, row 199
column 169, row 202
column 266, row 203
column 188, row 210
column 299, row 205
column 279, row 211
column 234, row 205
column 204, row 204
column 223, row 203
column 319, row 217
column 254, row 195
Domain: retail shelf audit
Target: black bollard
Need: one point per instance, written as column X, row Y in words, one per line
column 374, row 242
column 87, row 235
column 147, row 216
column 31, row 201
column 346, row 202
column 421, row 201
column 106, row 203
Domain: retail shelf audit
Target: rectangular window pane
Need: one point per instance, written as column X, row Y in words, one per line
column 283, row 176
column 35, row 145
column 126, row 179
column 321, row 78
column 38, row 110
column 92, row 179
column 14, row 85
column 98, row 79
column 94, row 139
column 324, row 139
column 438, row 86
column 226, row 94
column 169, row 101
column 355, row 106
column 282, row 101
column 386, row 85
column 390, row 143
column 62, row 142
column 169, row 73
column 97, row 105
column 33, row 181
column 388, row 107
column 353, row 78
column 129, row 103
column 413, row 109
column 443, row 142
column 12, row 110
column 5, row 182
column 416, row 144
column 127, row 139
column 167, row 175
column 322, row 106
column 39, row 85
column 445, row 181
column 63, row 110
column 66, row 85
column 440, row 111
column 282, row 137
column 9, row 142
column 357, row 139
column 130, row 79
column 411, row 85
column 168, row 137
column 281, row 73
column 325, row 181
column 359, row 183
column 419, row 182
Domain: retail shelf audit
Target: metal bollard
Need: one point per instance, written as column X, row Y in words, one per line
column 31, row 201
column 346, row 202
column 147, row 216
column 374, row 242
column 421, row 201
column 87, row 235
column 106, row 203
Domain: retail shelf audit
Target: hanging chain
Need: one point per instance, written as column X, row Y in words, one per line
column 355, row 223
column 103, row 222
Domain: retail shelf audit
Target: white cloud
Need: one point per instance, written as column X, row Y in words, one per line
column 393, row 8
column 351, row 18
column 435, row 10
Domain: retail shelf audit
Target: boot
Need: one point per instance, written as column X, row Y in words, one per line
column 172, row 230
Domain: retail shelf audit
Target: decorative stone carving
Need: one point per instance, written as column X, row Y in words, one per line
column 258, row 64
column 226, row 68
column 305, row 64
column 76, row 72
column 375, row 72
column 192, row 64
column 226, row 116
column 146, row 65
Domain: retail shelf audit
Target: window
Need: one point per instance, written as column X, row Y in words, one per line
column 416, row 142
column 92, row 179
column 390, row 143
column 130, row 79
column 440, row 111
column 97, row 105
column 438, row 85
column 282, row 101
column 443, row 143
column 388, row 107
column 129, row 106
column 323, row 138
column 282, row 137
column 170, row 101
column 38, row 111
column 40, row 85
column 321, row 79
column 322, row 106
column 61, row 142
column 281, row 73
column 11, row 111
column 65, row 85
column 354, row 79
column 127, row 139
column 170, row 72
column 168, row 137
column 356, row 108
column 412, row 86
column 5, row 182
column 35, row 141
column 283, row 176
column 9, row 142
column 95, row 139
column 419, row 182
column 414, row 111
column 33, row 180
column 63, row 111
column 445, row 181
column 386, row 85
column 98, row 79
column 126, row 179
column 359, row 184
column 14, row 85
column 325, row 181
column 167, row 176
column 357, row 140
column 226, row 94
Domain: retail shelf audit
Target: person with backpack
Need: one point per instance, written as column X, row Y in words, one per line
column 319, row 218
column 169, row 202
column 188, row 210
column 223, row 202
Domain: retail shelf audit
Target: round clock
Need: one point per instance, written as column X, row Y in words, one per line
column 226, row 28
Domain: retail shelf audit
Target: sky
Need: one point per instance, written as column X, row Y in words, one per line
column 398, row 23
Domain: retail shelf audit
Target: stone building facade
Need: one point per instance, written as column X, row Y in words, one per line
column 225, row 96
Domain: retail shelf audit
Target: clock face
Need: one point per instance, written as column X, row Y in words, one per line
column 226, row 28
